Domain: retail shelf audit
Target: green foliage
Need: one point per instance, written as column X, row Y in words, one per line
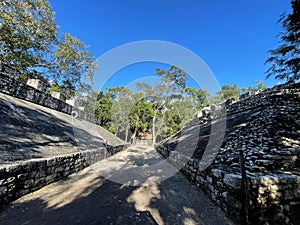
column 27, row 33
column 121, row 110
column 72, row 61
column 174, row 79
column 285, row 60
column 66, row 88
column 140, row 115
column 229, row 91
column 103, row 110
column 199, row 98
column 176, row 115
column 260, row 87
column 29, row 42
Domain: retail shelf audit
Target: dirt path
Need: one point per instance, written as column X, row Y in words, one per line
column 103, row 194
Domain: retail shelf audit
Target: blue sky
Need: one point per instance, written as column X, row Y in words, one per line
column 231, row 36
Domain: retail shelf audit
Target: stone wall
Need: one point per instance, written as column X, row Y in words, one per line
column 22, row 178
column 247, row 101
column 23, row 91
column 274, row 198
column 9, row 71
column 38, row 84
column 268, row 135
column 15, row 88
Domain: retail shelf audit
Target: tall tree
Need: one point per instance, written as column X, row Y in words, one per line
column 229, row 91
column 103, row 110
column 169, row 90
column 140, row 116
column 29, row 42
column 174, row 79
column 122, row 105
column 199, row 98
column 27, row 33
column 74, row 65
column 285, row 60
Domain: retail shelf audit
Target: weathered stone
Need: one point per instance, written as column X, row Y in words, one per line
column 28, row 183
column 10, row 179
column 38, row 84
column 3, row 190
column 209, row 179
column 288, row 195
column 269, row 180
column 217, row 173
column 233, row 180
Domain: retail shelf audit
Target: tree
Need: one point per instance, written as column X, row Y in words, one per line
column 173, row 78
column 229, row 91
column 260, row 87
column 169, row 90
column 176, row 115
column 285, row 60
column 74, row 65
column 66, row 88
column 103, row 110
column 27, row 34
column 199, row 98
column 122, row 105
column 29, row 42
column 140, row 116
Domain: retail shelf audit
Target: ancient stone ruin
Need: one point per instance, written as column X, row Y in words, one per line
column 38, row 143
column 265, row 129
column 243, row 154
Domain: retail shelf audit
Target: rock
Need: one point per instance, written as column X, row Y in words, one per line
column 3, row 190
column 233, row 180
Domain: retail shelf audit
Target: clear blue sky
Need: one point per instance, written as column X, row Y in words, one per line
column 231, row 36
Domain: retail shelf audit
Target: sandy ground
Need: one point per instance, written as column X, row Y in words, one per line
column 135, row 186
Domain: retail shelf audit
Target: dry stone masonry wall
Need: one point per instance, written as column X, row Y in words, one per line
column 35, row 91
column 13, row 87
column 24, row 177
column 266, row 127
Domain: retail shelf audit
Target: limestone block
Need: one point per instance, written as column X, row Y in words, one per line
column 59, row 96
column 3, row 190
column 9, row 71
column 233, row 180
column 288, row 195
column 217, row 173
column 71, row 102
column 81, row 108
column 28, row 183
column 37, row 84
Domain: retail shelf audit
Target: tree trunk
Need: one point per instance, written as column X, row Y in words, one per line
column 117, row 130
column 126, row 135
column 133, row 136
column 153, row 130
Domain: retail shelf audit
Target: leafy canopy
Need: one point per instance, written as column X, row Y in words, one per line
column 27, row 33
column 285, row 60
column 29, row 42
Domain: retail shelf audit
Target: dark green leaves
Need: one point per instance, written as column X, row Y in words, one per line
column 285, row 59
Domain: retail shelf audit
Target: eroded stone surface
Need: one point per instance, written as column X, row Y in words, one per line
column 30, row 131
column 266, row 127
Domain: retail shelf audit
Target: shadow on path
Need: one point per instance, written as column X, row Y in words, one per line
column 89, row 198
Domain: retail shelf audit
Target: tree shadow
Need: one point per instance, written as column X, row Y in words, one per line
column 88, row 197
column 32, row 131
